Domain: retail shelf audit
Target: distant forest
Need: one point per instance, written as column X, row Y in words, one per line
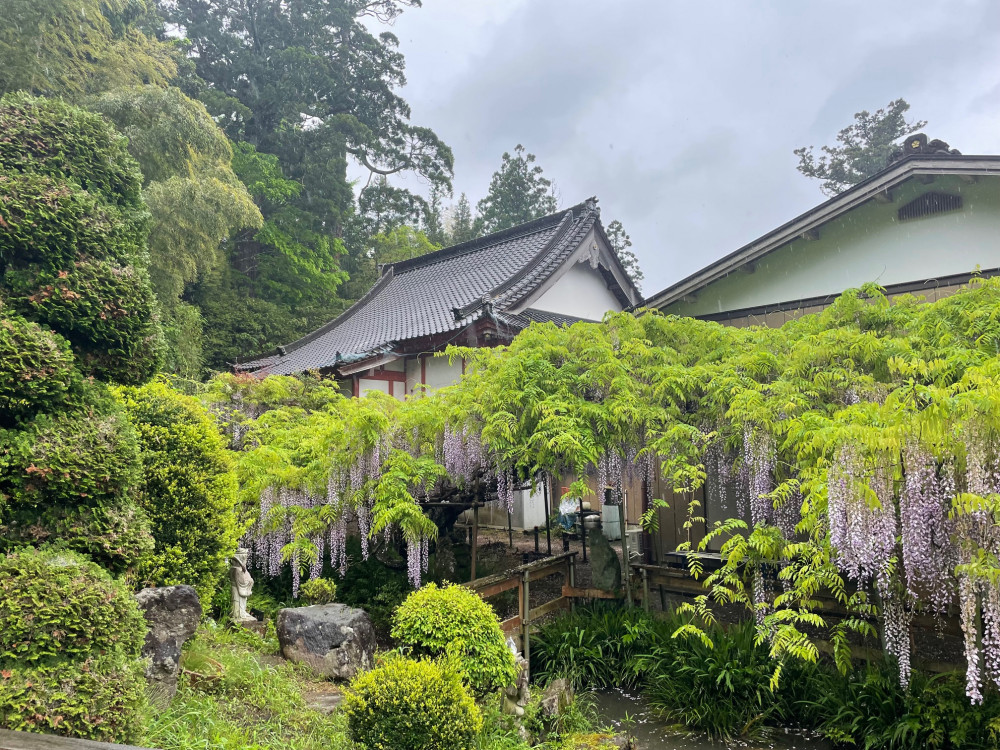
column 244, row 117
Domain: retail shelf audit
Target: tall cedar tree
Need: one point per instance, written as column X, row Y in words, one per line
column 462, row 223
column 866, row 147
column 621, row 244
column 518, row 193
column 310, row 84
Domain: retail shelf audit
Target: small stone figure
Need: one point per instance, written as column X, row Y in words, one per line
column 242, row 585
column 517, row 695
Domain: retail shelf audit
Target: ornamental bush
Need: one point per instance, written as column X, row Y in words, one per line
column 410, row 704
column 188, row 487
column 116, row 537
column 87, row 457
column 37, row 372
column 455, row 621
column 69, row 648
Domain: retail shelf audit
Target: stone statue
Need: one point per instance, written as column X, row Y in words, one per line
column 242, row 585
column 517, row 695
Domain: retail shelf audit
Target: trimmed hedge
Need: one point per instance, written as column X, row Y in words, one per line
column 76, row 225
column 116, row 537
column 409, row 704
column 455, row 621
column 56, row 605
column 102, row 698
column 51, row 137
column 188, row 488
column 106, row 311
column 37, row 372
column 83, row 458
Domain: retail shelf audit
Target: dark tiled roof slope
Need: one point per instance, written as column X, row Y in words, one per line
column 439, row 292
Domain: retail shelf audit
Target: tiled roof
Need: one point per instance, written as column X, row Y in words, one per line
column 439, row 292
column 532, row 315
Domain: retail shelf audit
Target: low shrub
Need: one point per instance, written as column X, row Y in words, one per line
column 58, row 605
column 187, row 487
column 115, row 537
column 411, row 704
column 868, row 708
column 69, row 648
column 318, row 591
column 453, row 620
column 100, row 698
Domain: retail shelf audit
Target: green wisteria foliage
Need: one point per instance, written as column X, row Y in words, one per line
column 861, row 446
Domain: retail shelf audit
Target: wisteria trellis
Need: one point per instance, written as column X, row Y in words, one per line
column 860, row 443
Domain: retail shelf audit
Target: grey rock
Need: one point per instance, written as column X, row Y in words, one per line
column 335, row 640
column 172, row 614
column 606, row 570
column 557, row 697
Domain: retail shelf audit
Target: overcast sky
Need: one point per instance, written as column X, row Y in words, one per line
column 682, row 116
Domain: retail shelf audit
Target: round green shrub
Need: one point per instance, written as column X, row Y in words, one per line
column 188, row 487
column 37, row 371
column 59, row 606
column 53, row 223
column 453, row 620
column 409, row 704
column 51, row 137
column 115, row 537
column 318, row 591
column 100, row 698
column 107, row 312
column 84, row 458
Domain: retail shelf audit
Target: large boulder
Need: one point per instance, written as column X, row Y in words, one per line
column 557, row 697
column 335, row 640
column 606, row 570
column 172, row 614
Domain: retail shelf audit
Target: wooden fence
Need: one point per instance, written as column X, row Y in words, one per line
column 521, row 578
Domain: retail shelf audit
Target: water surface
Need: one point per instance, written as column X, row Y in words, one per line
column 652, row 734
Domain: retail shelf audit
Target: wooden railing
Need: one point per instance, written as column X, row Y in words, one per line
column 520, row 578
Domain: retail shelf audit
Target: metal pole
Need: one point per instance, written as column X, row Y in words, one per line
column 645, row 589
column 545, row 494
column 626, row 563
column 536, row 540
column 583, row 532
column 475, row 540
column 510, row 530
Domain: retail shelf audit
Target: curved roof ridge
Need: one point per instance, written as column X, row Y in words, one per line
column 535, row 225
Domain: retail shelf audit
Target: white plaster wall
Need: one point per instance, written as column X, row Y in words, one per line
column 581, row 292
column 366, row 385
column 441, row 372
column 412, row 374
column 869, row 244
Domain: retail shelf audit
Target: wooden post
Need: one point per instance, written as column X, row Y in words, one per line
column 626, row 563
column 548, row 513
column 510, row 530
column 583, row 532
column 526, row 618
column 475, row 539
column 645, row 589
column 572, row 580
column 536, row 540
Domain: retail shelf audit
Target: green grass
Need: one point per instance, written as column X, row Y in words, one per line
column 230, row 698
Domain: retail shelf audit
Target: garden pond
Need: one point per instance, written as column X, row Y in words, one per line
column 626, row 710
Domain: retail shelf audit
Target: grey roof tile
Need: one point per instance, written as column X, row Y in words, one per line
column 418, row 297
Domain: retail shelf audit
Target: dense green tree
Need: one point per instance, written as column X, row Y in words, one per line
column 195, row 198
column 463, row 225
column 309, row 84
column 621, row 243
column 72, row 48
column 518, row 193
column 434, row 220
column 865, row 148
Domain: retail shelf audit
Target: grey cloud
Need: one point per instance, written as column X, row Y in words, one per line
column 682, row 116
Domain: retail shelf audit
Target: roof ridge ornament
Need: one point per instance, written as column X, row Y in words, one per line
column 919, row 144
